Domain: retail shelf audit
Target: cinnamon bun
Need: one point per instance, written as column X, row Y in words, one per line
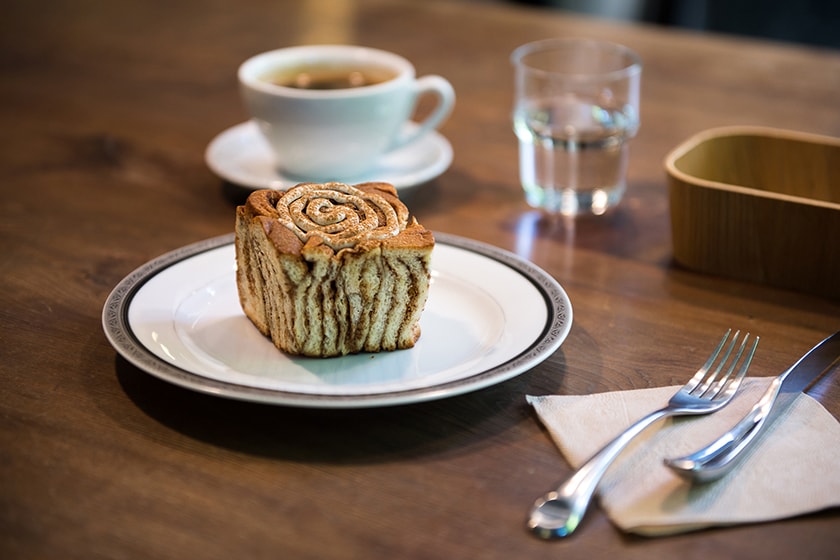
column 332, row 269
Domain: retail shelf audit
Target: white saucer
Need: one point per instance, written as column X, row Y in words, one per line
column 241, row 156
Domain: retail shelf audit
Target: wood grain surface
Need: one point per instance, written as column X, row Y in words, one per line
column 107, row 108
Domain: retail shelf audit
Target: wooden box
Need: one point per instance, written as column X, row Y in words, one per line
column 758, row 204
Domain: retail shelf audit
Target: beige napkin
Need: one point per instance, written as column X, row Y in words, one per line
column 792, row 470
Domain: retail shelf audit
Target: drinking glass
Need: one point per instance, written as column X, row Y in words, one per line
column 576, row 109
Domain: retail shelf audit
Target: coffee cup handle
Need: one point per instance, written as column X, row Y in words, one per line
column 445, row 95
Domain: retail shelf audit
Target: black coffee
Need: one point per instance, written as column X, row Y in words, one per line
column 331, row 77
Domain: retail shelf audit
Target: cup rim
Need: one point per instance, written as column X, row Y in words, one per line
column 633, row 66
column 248, row 72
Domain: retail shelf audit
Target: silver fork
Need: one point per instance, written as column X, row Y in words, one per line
column 558, row 513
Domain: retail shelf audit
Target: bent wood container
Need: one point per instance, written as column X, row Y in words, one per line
column 758, row 204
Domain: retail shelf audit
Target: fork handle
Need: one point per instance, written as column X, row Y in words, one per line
column 559, row 512
column 581, row 486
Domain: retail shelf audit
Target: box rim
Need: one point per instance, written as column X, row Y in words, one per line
column 742, row 130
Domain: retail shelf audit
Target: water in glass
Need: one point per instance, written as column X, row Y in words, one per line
column 573, row 153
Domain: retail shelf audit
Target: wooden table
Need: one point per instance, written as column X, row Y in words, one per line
column 107, row 108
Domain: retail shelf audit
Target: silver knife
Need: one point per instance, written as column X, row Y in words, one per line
column 717, row 458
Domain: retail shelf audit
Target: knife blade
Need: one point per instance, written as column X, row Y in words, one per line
column 716, row 459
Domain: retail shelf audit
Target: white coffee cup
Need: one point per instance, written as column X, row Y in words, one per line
column 336, row 134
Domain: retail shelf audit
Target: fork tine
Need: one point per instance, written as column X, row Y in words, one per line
column 701, row 373
column 734, row 383
column 714, row 388
column 708, row 381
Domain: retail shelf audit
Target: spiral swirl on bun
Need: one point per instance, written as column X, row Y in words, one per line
column 342, row 216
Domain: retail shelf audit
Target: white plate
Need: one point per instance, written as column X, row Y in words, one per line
column 242, row 156
column 490, row 316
